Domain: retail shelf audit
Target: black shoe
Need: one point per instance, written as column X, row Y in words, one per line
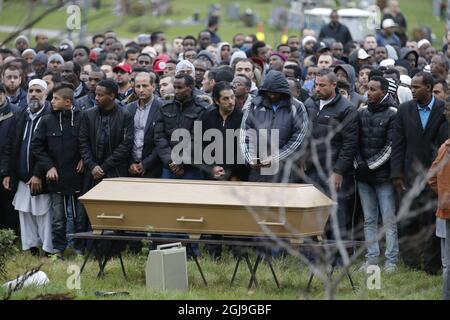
column 432, row 271
column 34, row 251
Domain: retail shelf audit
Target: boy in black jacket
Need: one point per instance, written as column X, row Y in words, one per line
column 56, row 149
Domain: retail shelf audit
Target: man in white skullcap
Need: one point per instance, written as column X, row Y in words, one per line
column 423, row 45
column 21, row 172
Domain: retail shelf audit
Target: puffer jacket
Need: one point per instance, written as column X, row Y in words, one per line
column 290, row 119
column 376, row 123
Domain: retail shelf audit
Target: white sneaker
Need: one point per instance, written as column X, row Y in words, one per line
column 390, row 268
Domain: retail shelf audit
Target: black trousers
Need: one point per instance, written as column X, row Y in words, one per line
column 419, row 247
column 9, row 218
column 345, row 200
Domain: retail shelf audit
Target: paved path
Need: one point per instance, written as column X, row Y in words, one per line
column 52, row 33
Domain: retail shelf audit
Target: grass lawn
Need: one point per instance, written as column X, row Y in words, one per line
column 404, row 284
column 16, row 13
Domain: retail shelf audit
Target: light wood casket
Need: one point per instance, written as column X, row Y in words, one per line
column 207, row 207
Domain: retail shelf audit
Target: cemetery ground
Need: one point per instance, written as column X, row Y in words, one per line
column 293, row 277
column 17, row 13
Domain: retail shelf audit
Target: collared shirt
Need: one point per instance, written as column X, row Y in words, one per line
column 140, row 121
column 424, row 112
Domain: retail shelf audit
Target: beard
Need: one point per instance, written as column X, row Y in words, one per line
column 35, row 105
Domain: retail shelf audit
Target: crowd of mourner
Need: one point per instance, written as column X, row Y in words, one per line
column 365, row 122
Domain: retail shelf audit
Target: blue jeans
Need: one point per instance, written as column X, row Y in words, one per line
column 375, row 199
column 447, row 262
column 68, row 217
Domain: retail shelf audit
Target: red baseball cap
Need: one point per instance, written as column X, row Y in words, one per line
column 125, row 67
column 160, row 63
column 93, row 56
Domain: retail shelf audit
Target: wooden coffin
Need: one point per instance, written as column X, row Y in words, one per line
column 207, row 207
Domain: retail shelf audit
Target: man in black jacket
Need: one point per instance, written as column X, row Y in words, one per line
column 106, row 137
column 222, row 158
column 179, row 113
column 335, row 30
column 56, row 149
column 23, row 174
column 415, row 142
column 145, row 160
column 220, row 120
column 8, row 217
column 88, row 101
column 376, row 191
column 332, row 143
column 174, row 134
column 283, row 121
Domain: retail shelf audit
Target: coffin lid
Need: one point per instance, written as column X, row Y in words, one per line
column 201, row 192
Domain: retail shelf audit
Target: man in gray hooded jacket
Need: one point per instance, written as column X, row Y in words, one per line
column 347, row 72
column 273, row 130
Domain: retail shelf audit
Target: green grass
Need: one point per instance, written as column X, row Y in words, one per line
column 404, row 284
column 420, row 13
column 130, row 27
column 16, row 13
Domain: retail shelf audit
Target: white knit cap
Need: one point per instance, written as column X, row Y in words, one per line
column 29, row 51
column 307, row 39
column 184, row 65
column 38, row 82
column 422, row 42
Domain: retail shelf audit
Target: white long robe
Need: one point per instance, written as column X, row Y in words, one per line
column 35, row 218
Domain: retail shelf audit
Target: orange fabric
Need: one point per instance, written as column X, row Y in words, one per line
column 440, row 180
